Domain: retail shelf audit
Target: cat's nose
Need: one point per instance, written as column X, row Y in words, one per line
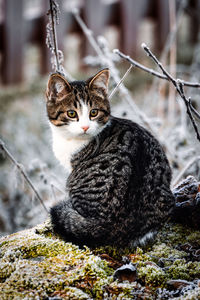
column 85, row 128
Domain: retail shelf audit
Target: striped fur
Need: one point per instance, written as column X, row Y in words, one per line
column 119, row 186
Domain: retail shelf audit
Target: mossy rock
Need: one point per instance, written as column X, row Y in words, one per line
column 35, row 264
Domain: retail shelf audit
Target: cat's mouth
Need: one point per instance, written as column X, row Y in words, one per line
column 84, row 135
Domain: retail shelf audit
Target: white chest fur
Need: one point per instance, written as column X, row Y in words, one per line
column 65, row 146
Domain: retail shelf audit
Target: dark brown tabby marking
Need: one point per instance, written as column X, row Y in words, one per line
column 120, row 193
column 70, row 97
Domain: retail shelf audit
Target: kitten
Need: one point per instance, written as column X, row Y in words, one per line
column 119, row 186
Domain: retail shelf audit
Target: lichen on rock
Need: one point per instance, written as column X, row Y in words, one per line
column 36, row 264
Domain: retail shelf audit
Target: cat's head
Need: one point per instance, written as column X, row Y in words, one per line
column 80, row 108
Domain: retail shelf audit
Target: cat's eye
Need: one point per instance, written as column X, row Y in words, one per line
column 71, row 114
column 93, row 113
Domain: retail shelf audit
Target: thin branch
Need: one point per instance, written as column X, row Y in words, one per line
column 51, row 40
column 183, row 171
column 172, row 60
column 173, row 32
column 88, row 33
column 124, row 92
column 21, row 169
column 53, row 12
column 53, row 193
column 197, row 114
column 156, row 84
column 150, row 54
column 59, row 189
column 187, row 102
column 106, row 61
column 178, row 85
column 151, row 71
column 121, row 80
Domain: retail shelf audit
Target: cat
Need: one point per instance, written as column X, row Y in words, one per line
column 119, row 185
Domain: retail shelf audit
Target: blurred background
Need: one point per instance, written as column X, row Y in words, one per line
column 169, row 27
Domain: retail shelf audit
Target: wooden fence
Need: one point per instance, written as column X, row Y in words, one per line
column 24, row 21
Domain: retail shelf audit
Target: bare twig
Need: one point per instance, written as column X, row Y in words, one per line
column 173, row 31
column 168, row 45
column 53, row 193
column 196, row 113
column 21, row 169
column 51, row 40
column 172, row 63
column 59, row 189
column 122, row 79
column 178, row 85
column 188, row 105
column 53, row 14
column 124, row 92
column 183, row 171
column 88, row 33
column 106, row 61
column 151, row 71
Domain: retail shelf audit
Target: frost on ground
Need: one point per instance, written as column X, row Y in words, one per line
column 24, row 129
column 35, row 264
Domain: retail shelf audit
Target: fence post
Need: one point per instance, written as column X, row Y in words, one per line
column 13, row 42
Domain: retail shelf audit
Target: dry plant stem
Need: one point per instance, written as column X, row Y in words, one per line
column 53, row 22
column 151, row 71
column 58, row 189
column 53, row 193
column 20, row 168
column 178, row 85
column 172, row 56
column 172, row 35
column 168, row 44
column 196, row 113
column 88, row 33
column 51, row 40
column 105, row 61
column 183, row 171
column 120, row 82
column 187, row 102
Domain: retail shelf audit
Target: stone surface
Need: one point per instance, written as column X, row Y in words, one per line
column 35, row 264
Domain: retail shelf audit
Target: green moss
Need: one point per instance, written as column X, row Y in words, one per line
column 6, row 270
column 181, row 269
column 115, row 253
column 37, row 264
column 175, row 262
column 32, row 261
column 194, row 238
column 165, row 251
column 118, row 290
column 152, row 275
column 173, row 234
column 3, row 243
column 71, row 293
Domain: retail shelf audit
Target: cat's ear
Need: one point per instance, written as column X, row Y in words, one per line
column 57, row 88
column 100, row 80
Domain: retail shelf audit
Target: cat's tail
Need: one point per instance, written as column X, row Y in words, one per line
column 187, row 206
column 75, row 228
